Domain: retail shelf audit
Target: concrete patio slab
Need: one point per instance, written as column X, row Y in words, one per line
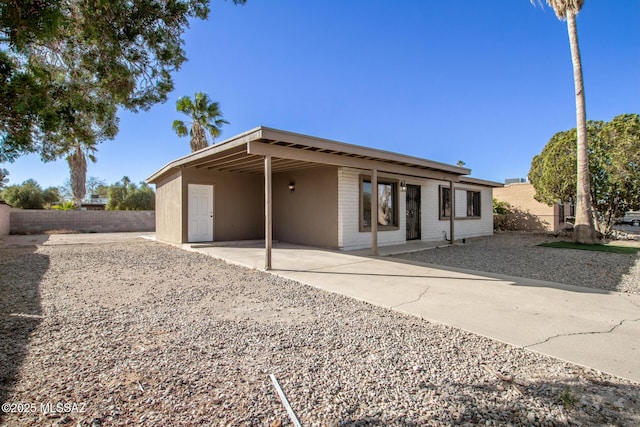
column 590, row 327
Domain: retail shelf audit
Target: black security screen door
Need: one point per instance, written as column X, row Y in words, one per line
column 413, row 212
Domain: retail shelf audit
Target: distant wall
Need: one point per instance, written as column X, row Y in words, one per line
column 39, row 221
column 4, row 218
column 527, row 213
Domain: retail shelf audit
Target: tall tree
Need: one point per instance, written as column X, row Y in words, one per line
column 205, row 117
column 126, row 49
column 126, row 195
column 95, row 185
column 614, row 168
column 30, row 195
column 77, row 161
column 584, row 230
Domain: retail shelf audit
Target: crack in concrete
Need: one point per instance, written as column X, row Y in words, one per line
column 613, row 328
column 412, row 301
column 633, row 302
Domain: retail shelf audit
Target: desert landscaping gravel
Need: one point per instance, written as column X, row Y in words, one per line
column 140, row 333
column 518, row 254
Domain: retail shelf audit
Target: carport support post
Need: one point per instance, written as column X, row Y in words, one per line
column 268, row 221
column 374, row 212
column 452, row 212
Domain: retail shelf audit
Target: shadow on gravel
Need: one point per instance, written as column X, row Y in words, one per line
column 585, row 400
column 484, row 276
column 21, row 272
column 582, row 401
column 556, row 272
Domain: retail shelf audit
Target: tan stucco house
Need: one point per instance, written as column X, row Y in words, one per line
column 276, row 185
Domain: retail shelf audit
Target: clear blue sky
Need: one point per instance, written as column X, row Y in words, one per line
column 486, row 82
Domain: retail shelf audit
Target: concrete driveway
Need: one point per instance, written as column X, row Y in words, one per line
column 589, row 327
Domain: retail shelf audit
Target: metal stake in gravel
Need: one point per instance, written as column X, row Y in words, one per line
column 285, row 402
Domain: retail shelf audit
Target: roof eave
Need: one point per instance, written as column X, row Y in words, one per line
column 265, row 133
column 483, row 182
column 277, row 134
column 237, row 140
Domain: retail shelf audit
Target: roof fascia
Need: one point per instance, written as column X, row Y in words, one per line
column 477, row 181
column 261, row 148
column 296, row 138
column 227, row 144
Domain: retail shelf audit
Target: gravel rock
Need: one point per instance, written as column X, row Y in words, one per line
column 518, row 254
column 139, row 333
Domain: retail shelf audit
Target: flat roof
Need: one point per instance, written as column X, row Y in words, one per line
column 294, row 151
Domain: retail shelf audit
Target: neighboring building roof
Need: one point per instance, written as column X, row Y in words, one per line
column 293, row 151
column 514, row 181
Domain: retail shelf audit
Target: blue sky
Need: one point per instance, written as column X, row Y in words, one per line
column 486, row 82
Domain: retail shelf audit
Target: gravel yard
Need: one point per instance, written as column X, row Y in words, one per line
column 519, row 255
column 140, row 333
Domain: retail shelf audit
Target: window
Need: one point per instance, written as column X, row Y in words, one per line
column 472, row 200
column 445, row 202
column 473, row 204
column 387, row 204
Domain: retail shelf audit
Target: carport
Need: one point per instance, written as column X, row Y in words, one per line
column 269, row 153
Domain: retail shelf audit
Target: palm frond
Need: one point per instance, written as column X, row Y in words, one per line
column 564, row 7
column 205, row 116
column 180, row 128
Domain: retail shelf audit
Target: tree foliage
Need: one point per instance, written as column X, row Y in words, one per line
column 614, row 168
column 64, row 206
column 30, row 195
column 127, row 196
column 66, row 66
column 205, row 116
column 500, row 207
column 96, row 186
column 3, row 177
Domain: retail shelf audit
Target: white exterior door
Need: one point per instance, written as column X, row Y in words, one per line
column 200, row 228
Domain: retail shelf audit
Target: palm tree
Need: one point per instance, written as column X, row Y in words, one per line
column 584, row 229
column 77, row 161
column 205, row 116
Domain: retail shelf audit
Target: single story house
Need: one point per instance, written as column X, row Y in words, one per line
column 273, row 184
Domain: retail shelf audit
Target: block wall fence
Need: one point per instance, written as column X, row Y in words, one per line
column 4, row 218
column 40, row 221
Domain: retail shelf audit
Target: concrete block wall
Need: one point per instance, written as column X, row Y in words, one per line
column 4, row 218
column 530, row 214
column 24, row 221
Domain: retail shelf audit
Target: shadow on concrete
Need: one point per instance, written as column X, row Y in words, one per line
column 407, row 276
column 21, row 272
column 18, row 240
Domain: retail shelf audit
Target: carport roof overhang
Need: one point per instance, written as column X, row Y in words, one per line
column 292, row 151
